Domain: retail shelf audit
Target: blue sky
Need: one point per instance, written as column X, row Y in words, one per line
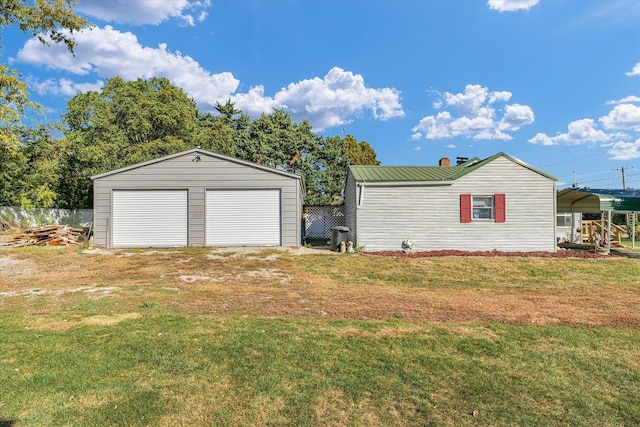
column 555, row 83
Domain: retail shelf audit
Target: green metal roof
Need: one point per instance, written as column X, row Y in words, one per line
column 429, row 173
column 596, row 200
column 403, row 173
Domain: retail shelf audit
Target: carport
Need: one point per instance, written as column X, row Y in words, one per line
column 600, row 200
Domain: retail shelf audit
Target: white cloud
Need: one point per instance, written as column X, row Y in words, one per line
column 625, row 150
column 624, row 116
column 516, row 116
column 327, row 101
column 474, row 116
column 106, row 52
column 625, row 100
column 511, row 5
column 141, row 12
column 621, row 123
column 469, row 102
column 605, row 14
column 63, row 87
column 579, row 132
column 635, row 71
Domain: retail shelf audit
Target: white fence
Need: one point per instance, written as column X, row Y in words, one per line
column 318, row 220
column 26, row 218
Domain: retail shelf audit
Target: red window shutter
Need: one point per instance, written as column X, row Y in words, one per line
column 465, row 208
column 501, row 207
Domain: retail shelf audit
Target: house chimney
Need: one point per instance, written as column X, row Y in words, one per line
column 444, row 162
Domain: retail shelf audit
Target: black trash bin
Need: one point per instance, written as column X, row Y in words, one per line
column 338, row 234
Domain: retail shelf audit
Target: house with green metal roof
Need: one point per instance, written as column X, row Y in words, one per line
column 498, row 203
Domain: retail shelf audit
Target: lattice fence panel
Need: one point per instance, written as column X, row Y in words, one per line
column 320, row 219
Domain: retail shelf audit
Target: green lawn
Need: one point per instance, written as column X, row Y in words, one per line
column 181, row 337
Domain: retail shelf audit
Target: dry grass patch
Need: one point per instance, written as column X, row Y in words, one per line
column 103, row 320
column 279, row 283
column 335, row 409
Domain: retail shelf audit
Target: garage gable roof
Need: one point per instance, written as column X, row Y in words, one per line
column 417, row 174
column 199, row 151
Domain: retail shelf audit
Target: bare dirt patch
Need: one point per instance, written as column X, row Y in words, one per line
column 10, row 267
column 265, row 253
column 95, row 292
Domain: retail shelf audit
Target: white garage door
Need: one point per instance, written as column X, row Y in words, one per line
column 243, row 218
column 149, row 218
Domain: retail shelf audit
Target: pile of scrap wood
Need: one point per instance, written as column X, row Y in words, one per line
column 54, row 235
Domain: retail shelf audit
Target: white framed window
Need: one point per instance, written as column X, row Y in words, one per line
column 563, row 220
column 482, row 207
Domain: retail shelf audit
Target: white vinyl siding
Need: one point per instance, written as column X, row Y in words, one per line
column 149, row 218
column 243, row 218
column 430, row 214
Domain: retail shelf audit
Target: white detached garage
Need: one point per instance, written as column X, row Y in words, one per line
column 197, row 198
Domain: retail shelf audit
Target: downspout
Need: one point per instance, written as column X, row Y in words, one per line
column 360, row 196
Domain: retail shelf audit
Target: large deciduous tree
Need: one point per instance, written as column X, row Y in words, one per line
column 359, row 153
column 331, row 159
column 51, row 22
column 42, row 171
column 127, row 122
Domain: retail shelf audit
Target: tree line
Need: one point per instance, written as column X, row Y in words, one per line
column 128, row 122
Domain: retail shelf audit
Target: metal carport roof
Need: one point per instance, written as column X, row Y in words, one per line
column 598, row 200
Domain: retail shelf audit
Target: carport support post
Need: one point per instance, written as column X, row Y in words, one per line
column 573, row 226
column 602, row 228
column 633, row 230
column 609, row 231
